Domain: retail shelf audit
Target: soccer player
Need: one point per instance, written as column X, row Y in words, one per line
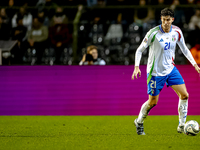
column 161, row 69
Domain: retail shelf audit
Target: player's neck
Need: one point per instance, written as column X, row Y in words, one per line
column 166, row 30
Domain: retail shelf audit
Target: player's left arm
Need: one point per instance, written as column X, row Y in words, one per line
column 186, row 51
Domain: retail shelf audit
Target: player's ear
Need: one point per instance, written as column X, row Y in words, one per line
column 172, row 19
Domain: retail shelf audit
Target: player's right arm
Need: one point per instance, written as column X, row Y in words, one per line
column 138, row 54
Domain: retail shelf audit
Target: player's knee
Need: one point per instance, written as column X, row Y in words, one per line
column 184, row 96
column 153, row 105
column 153, row 102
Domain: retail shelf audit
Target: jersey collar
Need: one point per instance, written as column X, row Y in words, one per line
column 162, row 29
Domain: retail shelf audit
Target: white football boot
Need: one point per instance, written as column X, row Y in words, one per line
column 139, row 127
column 180, row 128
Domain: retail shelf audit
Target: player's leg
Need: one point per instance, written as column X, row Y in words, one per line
column 176, row 81
column 144, row 111
column 155, row 85
column 183, row 104
column 146, row 107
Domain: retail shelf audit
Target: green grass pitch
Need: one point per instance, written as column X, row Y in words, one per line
column 93, row 133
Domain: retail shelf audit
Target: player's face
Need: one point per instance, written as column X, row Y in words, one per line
column 166, row 22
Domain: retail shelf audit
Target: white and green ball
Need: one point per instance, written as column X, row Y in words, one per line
column 191, row 128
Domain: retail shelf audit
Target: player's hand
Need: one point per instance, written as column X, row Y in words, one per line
column 136, row 72
column 197, row 68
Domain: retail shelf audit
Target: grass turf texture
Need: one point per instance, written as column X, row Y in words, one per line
column 93, row 132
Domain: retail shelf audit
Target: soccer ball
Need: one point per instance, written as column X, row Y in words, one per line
column 191, row 128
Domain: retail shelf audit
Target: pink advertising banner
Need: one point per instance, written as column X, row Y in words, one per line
column 87, row 90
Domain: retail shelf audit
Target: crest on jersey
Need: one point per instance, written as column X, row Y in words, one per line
column 173, row 38
column 145, row 40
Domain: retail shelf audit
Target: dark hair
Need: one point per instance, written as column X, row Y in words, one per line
column 167, row 12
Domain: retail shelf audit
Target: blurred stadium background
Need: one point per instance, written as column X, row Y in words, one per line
column 116, row 27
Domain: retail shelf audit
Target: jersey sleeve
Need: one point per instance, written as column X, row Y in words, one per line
column 147, row 39
column 145, row 43
column 184, row 49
